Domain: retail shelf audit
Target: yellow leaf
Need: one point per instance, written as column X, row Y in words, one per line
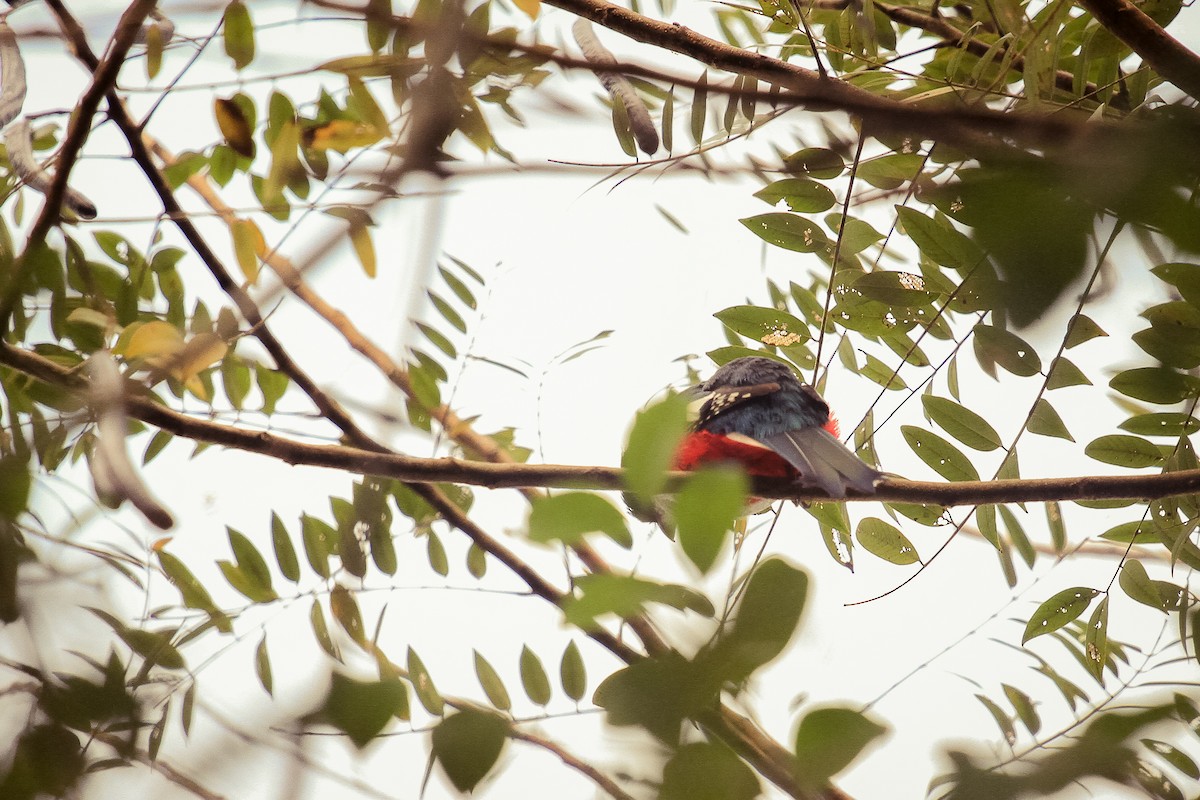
column 248, row 246
column 530, row 7
column 150, row 340
column 342, row 135
column 200, row 353
column 360, row 237
column 234, row 127
column 90, row 316
column 154, row 50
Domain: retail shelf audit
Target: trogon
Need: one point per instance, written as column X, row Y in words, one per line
column 754, row 411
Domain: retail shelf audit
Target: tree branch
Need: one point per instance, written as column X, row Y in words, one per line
column 245, row 304
column 962, row 126
column 412, row 469
column 104, row 77
column 1165, row 54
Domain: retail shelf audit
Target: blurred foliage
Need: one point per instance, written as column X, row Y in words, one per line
column 917, row 264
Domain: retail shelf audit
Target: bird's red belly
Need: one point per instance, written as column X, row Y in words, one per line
column 702, row 448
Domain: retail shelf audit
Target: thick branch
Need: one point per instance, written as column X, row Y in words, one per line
column 958, row 125
column 1162, row 51
column 495, row 476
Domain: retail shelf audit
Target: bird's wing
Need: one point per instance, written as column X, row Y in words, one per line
column 824, row 462
column 714, row 402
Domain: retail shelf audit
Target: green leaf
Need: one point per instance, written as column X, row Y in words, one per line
column 1167, row 423
column 345, row 610
column 1124, row 451
column 1064, row 373
column 467, row 744
column 800, row 194
column 1082, row 329
column 15, row 482
column 658, row 694
column 1045, row 421
column 707, row 771
column 942, row 457
column 1155, row 385
column 1139, row 586
column 1024, row 708
column 830, row 739
column 1095, row 644
column 476, row 561
column 572, row 672
column 493, row 687
column 436, row 553
column 1184, row 277
column 650, row 451
column 192, row 590
column 1173, row 756
column 939, row 240
column 626, row 596
column 1059, row 610
column 767, row 618
column 568, row 517
column 361, row 709
column 1002, row 720
column 422, row 683
column 250, row 575
column 857, row 235
column 816, row 162
column 705, row 510
column 997, row 346
column 320, row 540
column 1058, row 529
column 765, row 325
column 894, row 288
column 789, row 231
column 891, row 171
column 875, row 370
column 316, row 619
column 533, row 677
column 699, row 108
column 262, row 666
column 285, row 553
column 885, row 541
column 239, row 34
column 962, row 423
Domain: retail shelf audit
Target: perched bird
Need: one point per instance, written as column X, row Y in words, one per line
column 754, row 411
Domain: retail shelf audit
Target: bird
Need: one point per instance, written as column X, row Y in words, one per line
column 755, row 412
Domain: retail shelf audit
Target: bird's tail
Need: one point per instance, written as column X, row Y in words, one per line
column 824, row 462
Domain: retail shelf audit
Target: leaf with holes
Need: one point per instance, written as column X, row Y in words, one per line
column 997, row 346
column 885, row 541
column 1062, row 608
column 789, row 231
column 766, row 325
column 962, row 423
column 1123, row 450
column 942, row 457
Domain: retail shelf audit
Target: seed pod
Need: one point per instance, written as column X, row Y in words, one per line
column 12, row 75
column 112, row 472
column 18, row 139
column 618, row 86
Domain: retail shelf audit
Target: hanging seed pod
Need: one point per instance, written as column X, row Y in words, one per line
column 18, row 139
column 618, row 86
